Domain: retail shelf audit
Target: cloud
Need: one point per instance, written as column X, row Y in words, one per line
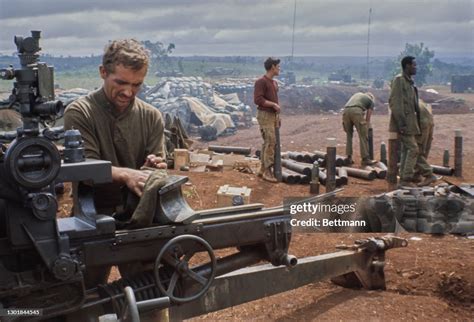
column 244, row 27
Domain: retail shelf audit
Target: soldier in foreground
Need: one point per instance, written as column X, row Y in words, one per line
column 118, row 127
column 268, row 110
column 357, row 112
column 405, row 120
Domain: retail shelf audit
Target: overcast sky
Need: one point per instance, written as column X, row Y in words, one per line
column 244, row 27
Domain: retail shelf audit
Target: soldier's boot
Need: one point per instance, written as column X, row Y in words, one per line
column 428, row 180
column 268, row 176
column 349, row 160
column 406, row 184
column 366, row 162
column 418, row 178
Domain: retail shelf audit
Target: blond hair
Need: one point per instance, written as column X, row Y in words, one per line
column 127, row 52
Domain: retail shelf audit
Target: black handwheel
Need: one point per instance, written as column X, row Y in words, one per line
column 178, row 258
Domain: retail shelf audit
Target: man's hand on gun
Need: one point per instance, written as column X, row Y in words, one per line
column 135, row 180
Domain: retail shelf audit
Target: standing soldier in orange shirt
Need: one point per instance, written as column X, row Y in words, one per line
column 266, row 99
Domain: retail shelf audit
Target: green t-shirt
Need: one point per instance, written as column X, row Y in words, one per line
column 125, row 139
column 360, row 100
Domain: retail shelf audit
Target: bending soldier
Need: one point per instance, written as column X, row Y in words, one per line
column 357, row 112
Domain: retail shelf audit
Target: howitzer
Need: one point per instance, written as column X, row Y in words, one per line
column 55, row 265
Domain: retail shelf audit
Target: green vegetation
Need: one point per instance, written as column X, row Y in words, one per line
column 71, row 72
column 423, row 61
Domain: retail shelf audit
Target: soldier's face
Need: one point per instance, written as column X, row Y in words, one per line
column 412, row 68
column 276, row 69
column 122, row 85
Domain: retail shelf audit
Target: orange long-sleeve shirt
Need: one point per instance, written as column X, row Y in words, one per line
column 265, row 89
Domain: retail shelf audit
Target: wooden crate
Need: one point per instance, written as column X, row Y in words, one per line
column 181, row 158
column 227, row 195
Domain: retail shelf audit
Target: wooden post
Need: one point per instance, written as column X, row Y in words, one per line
column 392, row 160
column 458, row 153
column 331, row 165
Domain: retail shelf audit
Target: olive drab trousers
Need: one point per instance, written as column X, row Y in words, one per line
column 267, row 122
column 355, row 117
column 412, row 160
column 425, row 139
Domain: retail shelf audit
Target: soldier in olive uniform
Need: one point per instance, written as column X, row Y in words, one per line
column 405, row 120
column 425, row 138
column 357, row 112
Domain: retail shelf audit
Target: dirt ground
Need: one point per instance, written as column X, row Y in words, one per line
column 430, row 280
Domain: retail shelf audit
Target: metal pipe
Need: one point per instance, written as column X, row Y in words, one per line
column 322, row 177
column 380, row 170
column 360, row 173
column 340, row 181
column 445, row 171
column 248, row 215
column 231, row 263
column 307, row 157
column 370, row 169
column 229, row 210
column 289, row 260
column 392, row 161
column 153, row 304
column 297, row 156
column 253, row 283
column 314, row 187
column 290, row 177
column 331, row 165
column 380, row 173
column 339, row 159
column 458, row 153
column 446, row 158
column 383, row 153
column 319, row 154
column 304, row 178
column 230, row 149
column 371, row 142
column 321, row 162
column 303, row 168
column 315, row 171
column 342, row 173
column 277, row 162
